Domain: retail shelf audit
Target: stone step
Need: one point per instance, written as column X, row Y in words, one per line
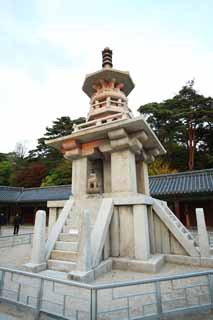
column 59, row 265
column 68, row 237
column 69, row 221
column 66, row 245
column 70, row 229
column 64, row 255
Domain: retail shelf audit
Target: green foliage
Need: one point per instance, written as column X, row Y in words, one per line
column 5, row 172
column 60, row 175
column 160, row 167
column 3, row 157
column 49, row 156
column 184, row 125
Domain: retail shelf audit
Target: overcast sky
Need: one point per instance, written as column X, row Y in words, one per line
column 47, row 47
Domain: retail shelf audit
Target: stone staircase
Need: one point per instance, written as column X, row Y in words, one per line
column 64, row 256
column 181, row 233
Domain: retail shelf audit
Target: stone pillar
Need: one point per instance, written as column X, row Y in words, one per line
column 107, row 175
column 38, row 262
column 114, row 234
column 126, row 231
column 142, row 177
column 85, row 261
column 52, row 218
column 202, row 233
column 151, row 229
column 79, row 177
column 141, row 232
column 123, row 171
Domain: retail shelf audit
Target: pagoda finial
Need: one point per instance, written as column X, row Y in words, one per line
column 107, row 58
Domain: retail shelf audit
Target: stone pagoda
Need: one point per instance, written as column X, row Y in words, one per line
column 111, row 150
column 111, row 220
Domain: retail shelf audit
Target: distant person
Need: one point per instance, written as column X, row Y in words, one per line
column 17, row 222
column 2, row 221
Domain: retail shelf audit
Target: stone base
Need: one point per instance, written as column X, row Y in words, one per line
column 88, row 276
column 152, row 265
column 33, row 267
column 192, row 261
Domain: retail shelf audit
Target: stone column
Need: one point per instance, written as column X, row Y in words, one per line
column 123, row 171
column 114, row 233
column 85, row 259
column 141, row 232
column 107, row 175
column 142, row 177
column 202, row 233
column 79, row 176
column 126, row 231
column 52, row 218
column 38, row 262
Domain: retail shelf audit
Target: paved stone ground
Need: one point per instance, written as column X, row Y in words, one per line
column 15, row 256
column 8, row 230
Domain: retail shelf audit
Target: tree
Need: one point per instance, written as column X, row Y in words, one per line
column 58, row 170
column 184, row 124
column 60, row 175
column 21, row 149
column 5, row 172
column 31, row 176
column 42, row 165
column 160, row 167
column 51, row 157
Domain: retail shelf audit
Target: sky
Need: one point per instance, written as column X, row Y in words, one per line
column 48, row 46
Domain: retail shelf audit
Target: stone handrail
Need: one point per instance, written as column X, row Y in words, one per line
column 176, row 228
column 93, row 123
column 57, row 228
column 100, row 229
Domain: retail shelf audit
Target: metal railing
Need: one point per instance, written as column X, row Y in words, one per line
column 15, row 240
column 139, row 299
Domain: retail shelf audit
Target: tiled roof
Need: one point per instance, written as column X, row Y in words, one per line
column 12, row 194
column 183, row 183
column 9, row 194
column 45, row 194
column 190, row 182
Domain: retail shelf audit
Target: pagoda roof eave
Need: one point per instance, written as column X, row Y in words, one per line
column 108, row 74
column 101, row 132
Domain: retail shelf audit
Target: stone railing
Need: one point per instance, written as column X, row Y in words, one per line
column 140, row 299
column 93, row 123
column 108, row 103
column 15, row 240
